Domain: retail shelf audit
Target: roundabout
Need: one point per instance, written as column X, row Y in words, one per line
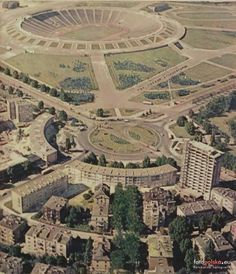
column 126, row 140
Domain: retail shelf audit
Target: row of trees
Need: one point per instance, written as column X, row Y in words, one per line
column 74, row 98
column 102, row 161
column 126, row 220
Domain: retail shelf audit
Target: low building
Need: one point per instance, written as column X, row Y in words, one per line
column 100, row 256
column 20, row 110
column 32, row 195
column 225, row 198
column 100, row 210
column 12, row 229
column 10, row 264
column 10, row 4
column 54, row 210
column 48, row 240
column 196, row 210
column 223, row 249
column 142, row 177
column 40, row 268
column 38, row 138
column 160, row 254
column 157, row 205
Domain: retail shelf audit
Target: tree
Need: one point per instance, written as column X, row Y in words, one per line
column 41, row 105
column 53, row 92
column 102, row 160
column 19, row 93
column 181, row 121
column 50, row 260
column 62, row 116
column 190, row 128
column 180, row 229
column 191, row 113
column 146, row 162
column 216, row 222
column 61, row 261
column 91, row 159
column 210, row 250
column 88, row 251
column 25, row 79
column 68, row 144
column 185, row 245
column 198, row 137
column 34, row 83
column 117, row 259
column 131, row 248
column 15, row 250
column 7, row 71
column 100, row 112
column 43, row 88
column 64, row 96
column 52, row 110
column 189, row 259
column 15, row 74
column 10, row 90
column 202, row 225
column 132, row 165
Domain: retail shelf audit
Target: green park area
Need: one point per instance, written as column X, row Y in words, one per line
column 128, row 69
column 209, row 39
column 180, row 132
column 123, row 139
column 153, row 96
column 227, row 60
column 68, row 72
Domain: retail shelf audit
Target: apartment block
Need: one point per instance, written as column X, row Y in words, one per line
column 48, row 240
column 54, row 210
column 160, row 254
column 40, row 268
column 157, row 205
column 32, row 195
column 196, row 210
column 201, row 167
column 100, row 256
column 10, row 264
column 20, row 110
column 225, row 198
column 223, row 249
column 12, row 229
column 100, row 210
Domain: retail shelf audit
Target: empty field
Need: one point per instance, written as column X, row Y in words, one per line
column 206, row 72
column 180, row 132
column 52, row 69
column 222, row 122
column 207, row 39
column 207, row 15
column 227, row 60
column 139, row 66
column 92, row 33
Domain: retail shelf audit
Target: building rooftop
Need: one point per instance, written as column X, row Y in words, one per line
column 40, row 268
column 101, row 249
column 160, row 246
column 160, row 266
column 56, row 203
column 11, row 222
column 102, row 189
column 157, row 194
column 221, row 244
column 189, row 209
column 208, row 149
column 109, row 171
column 9, row 262
column 225, row 192
column 39, row 183
column 38, row 140
column 49, row 233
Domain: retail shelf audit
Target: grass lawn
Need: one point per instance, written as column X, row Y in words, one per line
column 180, row 132
column 155, row 61
column 128, row 112
column 207, row 15
column 144, row 135
column 206, row 72
column 141, row 97
column 124, row 4
column 91, row 33
column 222, row 122
column 208, row 39
column 79, row 200
column 52, row 69
column 227, row 60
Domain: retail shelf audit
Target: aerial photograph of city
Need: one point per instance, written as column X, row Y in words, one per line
column 117, row 137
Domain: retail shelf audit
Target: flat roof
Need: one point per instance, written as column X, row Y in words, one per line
column 123, row 172
column 39, row 182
